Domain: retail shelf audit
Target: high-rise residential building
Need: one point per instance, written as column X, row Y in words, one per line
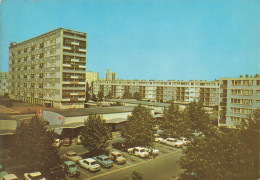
column 49, row 69
column 239, row 97
column 182, row 92
column 92, row 76
column 110, row 76
column 4, row 76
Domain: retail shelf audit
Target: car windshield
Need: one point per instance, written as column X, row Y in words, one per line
column 73, row 155
column 142, row 150
column 106, row 159
column 35, row 177
column 72, row 166
column 93, row 163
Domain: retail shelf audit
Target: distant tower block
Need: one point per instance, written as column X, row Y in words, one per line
column 110, row 76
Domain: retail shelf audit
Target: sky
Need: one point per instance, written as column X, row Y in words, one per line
column 147, row 39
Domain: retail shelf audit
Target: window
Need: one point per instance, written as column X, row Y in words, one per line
column 25, row 50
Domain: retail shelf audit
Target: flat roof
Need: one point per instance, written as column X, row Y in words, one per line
column 132, row 101
column 93, row 110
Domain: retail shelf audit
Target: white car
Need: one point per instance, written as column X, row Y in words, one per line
column 138, row 151
column 152, row 150
column 34, row 176
column 170, row 141
column 89, row 164
column 71, row 156
column 159, row 139
column 184, row 140
column 10, row 177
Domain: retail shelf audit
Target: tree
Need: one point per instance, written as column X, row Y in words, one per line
column 173, row 122
column 95, row 134
column 110, row 95
column 87, row 93
column 138, row 96
column 100, row 95
column 224, row 153
column 140, row 127
column 127, row 94
column 33, row 146
column 196, row 116
column 94, row 98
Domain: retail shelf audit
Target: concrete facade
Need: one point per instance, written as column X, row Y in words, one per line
column 49, row 69
column 182, row 92
column 91, row 76
column 4, row 77
column 239, row 97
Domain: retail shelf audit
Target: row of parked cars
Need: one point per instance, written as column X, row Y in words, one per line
column 174, row 142
column 4, row 175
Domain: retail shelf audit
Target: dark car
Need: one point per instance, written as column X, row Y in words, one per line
column 66, row 142
column 120, row 146
column 57, row 173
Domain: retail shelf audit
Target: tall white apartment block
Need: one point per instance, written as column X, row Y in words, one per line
column 50, row 69
column 91, row 76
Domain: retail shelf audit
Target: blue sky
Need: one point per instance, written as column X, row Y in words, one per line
column 147, row 39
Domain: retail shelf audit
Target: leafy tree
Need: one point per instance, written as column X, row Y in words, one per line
column 94, row 98
column 33, row 146
column 173, row 121
column 95, row 134
column 224, row 153
column 127, row 94
column 196, row 116
column 100, row 95
column 87, row 93
column 110, row 95
column 140, row 127
column 138, row 96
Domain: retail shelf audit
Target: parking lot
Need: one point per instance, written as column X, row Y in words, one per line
column 131, row 160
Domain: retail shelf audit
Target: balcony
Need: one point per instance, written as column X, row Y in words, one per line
column 74, row 77
column 83, row 50
column 75, row 60
column 65, row 99
column 74, row 37
column 82, row 82
column 74, row 43
column 66, row 65
column 82, row 66
column 67, row 47
column 81, row 99
column 65, row 82
column 73, row 94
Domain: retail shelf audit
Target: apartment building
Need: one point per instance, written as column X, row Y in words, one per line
column 182, row 92
column 239, row 97
column 4, row 76
column 92, row 76
column 49, row 69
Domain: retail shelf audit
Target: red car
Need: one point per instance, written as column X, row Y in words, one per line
column 66, row 142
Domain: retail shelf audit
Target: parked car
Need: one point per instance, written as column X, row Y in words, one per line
column 184, row 140
column 71, row 169
column 170, row 141
column 57, row 143
column 104, row 161
column 120, row 146
column 2, row 174
column 89, row 164
column 152, row 151
column 72, row 156
column 66, row 142
column 117, row 157
column 138, row 151
column 10, row 177
column 33, row 176
column 158, row 139
column 178, row 144
column 57, row 173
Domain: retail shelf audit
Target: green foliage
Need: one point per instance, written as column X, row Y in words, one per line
column 196, row 117
column 224, row 153
column 100, row 95
column 110, row 95
column 173, row 122
column 87, row 93
column 127, row 94
column 139, row 128
column 33, row 146
column 95, row 134
column 137, row 95
column 94, row 98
